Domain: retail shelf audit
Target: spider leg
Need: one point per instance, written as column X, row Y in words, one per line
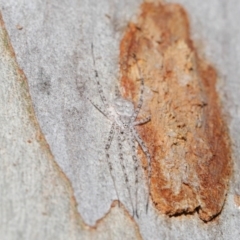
column 109, row 141
column 98, row 108
column 124, row 170
column 136, row 166
column 146, row 152
column 104, row 100
column 144, row 120
column 140, row 101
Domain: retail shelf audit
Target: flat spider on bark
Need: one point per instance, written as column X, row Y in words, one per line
column 122, row 115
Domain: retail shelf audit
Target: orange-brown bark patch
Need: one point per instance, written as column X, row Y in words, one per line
column 186, row 137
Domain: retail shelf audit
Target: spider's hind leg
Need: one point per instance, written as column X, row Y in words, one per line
column 109, row 141
column 136, row 168
column 148, row 156
column 124, row 171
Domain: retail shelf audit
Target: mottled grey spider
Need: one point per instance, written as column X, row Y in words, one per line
column 123, row 117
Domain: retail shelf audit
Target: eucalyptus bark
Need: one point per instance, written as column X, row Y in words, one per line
column 54, row 180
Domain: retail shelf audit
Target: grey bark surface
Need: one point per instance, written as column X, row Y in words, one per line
column 52, row 42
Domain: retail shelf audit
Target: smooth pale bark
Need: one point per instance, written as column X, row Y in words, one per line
column 46, row 197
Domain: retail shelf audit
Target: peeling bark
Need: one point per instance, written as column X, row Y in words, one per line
column 191, row 164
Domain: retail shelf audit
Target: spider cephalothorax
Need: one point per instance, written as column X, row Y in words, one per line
column 124, row 110
column 123, row 107
column 123, row 116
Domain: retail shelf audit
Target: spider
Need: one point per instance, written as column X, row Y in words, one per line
column 123, row 116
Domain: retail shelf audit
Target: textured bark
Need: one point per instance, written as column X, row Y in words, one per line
column 191, row 165
column 60, row 188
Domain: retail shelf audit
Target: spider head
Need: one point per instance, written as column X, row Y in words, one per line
column 123, row 107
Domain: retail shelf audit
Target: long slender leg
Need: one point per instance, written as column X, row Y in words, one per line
column 98, row 83
column 98, row 108
column 140, row 101
column 124, row 170
column 146, row 152
column 142, row 121
column 136, row 167
column 109, row 141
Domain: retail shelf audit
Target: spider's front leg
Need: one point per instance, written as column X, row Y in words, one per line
column 104, row 100
column 101, row 110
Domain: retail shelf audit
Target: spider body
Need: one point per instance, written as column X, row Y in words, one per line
column 122, row 115
column 124, row 108
column 121, row 112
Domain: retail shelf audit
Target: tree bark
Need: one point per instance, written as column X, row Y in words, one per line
column 54, row 178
